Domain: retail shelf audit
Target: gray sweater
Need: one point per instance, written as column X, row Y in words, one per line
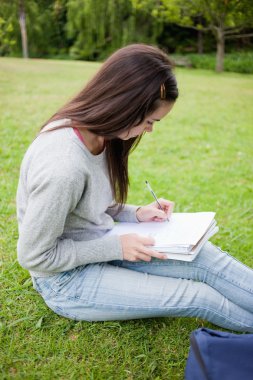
column 65, row 206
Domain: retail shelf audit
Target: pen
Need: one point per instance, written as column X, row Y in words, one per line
column 152, row 192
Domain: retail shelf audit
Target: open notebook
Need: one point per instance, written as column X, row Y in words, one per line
column 181, row 238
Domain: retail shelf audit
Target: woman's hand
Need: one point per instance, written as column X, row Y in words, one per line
column 137, row 248
column 152, row 212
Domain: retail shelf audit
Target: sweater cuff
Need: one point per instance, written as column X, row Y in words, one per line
column 128, row 214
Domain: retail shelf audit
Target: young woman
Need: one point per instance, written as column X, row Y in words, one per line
column 73, row 186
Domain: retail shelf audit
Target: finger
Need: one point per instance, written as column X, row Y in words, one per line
column 169, row 208
column 161, row 214
column 163, row 209
column 134, row 259
column 165, row 202
column 143, row 257
column 153, row 253
column 146, row 240
column 156, row 219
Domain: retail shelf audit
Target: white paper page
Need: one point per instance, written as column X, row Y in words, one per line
column 193, row 249
column 182, row 229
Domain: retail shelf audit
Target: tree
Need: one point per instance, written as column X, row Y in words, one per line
column 37, row 26
column 98, row 27
column 90, row 26
column 224, row 18
column 148, row 18
column 15, row 12
column 22, row 23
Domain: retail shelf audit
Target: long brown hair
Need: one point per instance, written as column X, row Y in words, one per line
column 127, row 88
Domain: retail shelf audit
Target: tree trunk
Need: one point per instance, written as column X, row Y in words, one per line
column 220, row 50
column 22, row 24
column 200, row 42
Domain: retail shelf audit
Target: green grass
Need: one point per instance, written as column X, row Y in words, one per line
column 200, row 156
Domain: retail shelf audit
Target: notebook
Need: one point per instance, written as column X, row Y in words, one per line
column 180, row 239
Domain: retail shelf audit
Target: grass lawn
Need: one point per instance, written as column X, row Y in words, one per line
column 200, row 156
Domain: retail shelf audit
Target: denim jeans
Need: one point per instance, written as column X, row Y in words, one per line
column 215, row 287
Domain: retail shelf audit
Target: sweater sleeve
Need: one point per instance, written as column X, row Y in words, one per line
column 40, row 246
column 127, row 214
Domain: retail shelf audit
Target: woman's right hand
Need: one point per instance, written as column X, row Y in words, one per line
column 137, row 248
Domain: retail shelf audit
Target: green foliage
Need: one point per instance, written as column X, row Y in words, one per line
column 47, row 35
column 7, row 29
column 45, row 24
column 7, row 41
column 98, row 27
column 200, row 156
column 240, row 63
column 211, row 13
column 235, row 62
column 93, row 29
column 202, row 61
column 223, row 18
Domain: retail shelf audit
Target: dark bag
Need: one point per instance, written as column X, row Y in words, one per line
column 217, row 355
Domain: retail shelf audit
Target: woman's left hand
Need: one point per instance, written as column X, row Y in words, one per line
column 152, row 212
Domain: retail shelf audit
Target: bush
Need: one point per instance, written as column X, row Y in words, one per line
column 240, row 63
column 236, row 62
column 202, row 61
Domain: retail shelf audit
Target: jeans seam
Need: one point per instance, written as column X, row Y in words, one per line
column 136, row 308
column 219, row 274
column 58, row 310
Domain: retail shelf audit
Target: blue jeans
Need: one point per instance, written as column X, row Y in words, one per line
column 215, row 287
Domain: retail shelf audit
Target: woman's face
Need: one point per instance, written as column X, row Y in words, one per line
column 148, row 122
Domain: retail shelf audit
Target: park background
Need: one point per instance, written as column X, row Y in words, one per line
column 200, row 156
column 195, row 32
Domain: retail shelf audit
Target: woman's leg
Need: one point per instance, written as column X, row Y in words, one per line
column 99, row 292
column 212, row 266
